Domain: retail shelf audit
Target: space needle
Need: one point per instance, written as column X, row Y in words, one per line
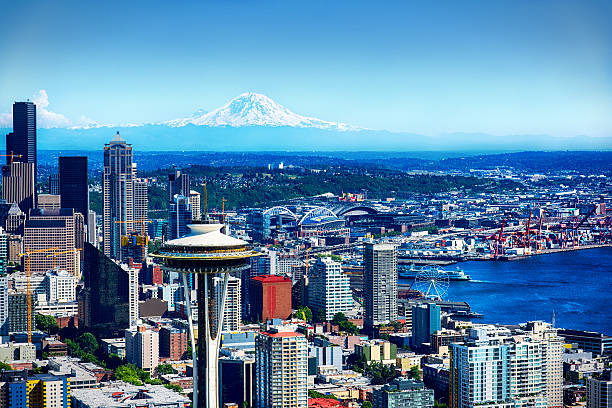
column 205, row 252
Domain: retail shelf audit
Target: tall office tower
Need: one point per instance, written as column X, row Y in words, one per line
column 15, row 220
column 329, row 289
column 179, row 216
column 141, row 204
column 142, row 347
column 281, row 360
column 379, row 284
column 73, row 185
column 22, row 142
column 104, row 303
column 51, row 229
column 425, row 322
column 178, row 183
column 196, row 206
column 54, row 184
column 92, row 229
column 599, row 391
column 19, row 185
column 133, row 306
column 4, row 311
column 503, row 369
column 232, row 315
column 118, row 195
column 270, row 297
column 18, row 311
column 403, row 393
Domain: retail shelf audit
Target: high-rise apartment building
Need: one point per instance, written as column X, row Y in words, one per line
column 4, row 304
column 178, row 183
column 425, row 322
column 329, row 289
column 379, row 284
column 232, row 314
column 179, row 216
column 403, row 393
column 496, row 367
column 599, row 391
column 281, row 367
column 92, row 229
column 19, row 185
column 172, row 342
column 196, row 206
column 142, row 347
column 73, row 185
column 118, row 195
column 22, row 141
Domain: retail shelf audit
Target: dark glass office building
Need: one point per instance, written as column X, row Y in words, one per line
column 73, row 189
column 22, row 141
column 104, row 301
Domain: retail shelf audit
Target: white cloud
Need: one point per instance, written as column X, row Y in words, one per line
column 46, row 118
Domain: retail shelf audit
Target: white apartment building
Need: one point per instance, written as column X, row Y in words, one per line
column 499, row 368
column 232, row 315
column 142, row 347
column 329, row 288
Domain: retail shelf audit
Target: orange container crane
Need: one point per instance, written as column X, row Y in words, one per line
column 27, row 255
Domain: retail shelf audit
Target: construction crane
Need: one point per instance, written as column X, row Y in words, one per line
column 144, row 240
column 11, row 156
column 223, row 201
column 528, row 235
column 27, row 255
column 55, row 254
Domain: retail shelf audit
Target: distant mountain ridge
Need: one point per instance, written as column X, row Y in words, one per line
column 254, row 109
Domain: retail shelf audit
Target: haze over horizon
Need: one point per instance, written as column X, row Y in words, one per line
column 502, row 68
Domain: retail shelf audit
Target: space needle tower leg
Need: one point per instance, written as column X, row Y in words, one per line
column 194, row 357
column 209, row 330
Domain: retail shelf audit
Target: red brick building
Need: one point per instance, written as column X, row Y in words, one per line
column 270, row 297
column 172, row 343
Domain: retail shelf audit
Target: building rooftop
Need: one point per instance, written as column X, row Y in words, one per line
column 271, row 278
column 120, row 394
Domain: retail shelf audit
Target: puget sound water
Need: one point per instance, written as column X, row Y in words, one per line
column 577, row 285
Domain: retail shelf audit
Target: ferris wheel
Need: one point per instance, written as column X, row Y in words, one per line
column 433, row 283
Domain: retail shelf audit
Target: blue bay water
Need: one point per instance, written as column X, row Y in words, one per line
column 576, row 285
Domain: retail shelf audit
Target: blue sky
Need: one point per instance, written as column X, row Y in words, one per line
column 498, row 67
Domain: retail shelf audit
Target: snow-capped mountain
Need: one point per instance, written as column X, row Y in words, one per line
column 253, row 109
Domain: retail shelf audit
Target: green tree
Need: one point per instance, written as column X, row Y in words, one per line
column 128, row 373
column 304, row 312
column 366, row 404
column 174, row 388
column 48, row 324
column 4, row 366
column 319, row 316
column 415, row 372
column 165, row 369
column 88, row 342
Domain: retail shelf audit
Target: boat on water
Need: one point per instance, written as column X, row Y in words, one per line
column 411, row 272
